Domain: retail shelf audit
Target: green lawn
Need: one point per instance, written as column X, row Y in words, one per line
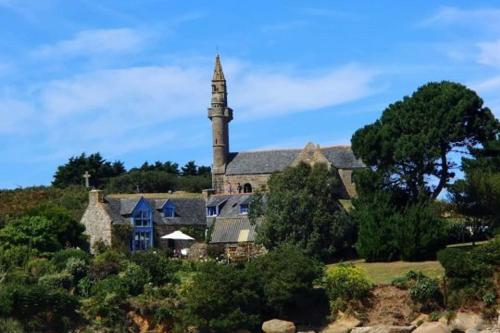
column 385, row 272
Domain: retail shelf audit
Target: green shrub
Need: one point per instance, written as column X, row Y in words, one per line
column 158, row 264
column 285, row 276
column 107, row 263
column 135, row 277
column 346, row 283
column 58, row 280
column 40, row 266
column 15, row 256
column 9, row 325
column 221, row 299
column 61, row 257
column 77, row 267
column 423, row 289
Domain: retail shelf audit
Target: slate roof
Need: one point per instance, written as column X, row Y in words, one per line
column 270, row 161
column 233, row 230
column 229, row 205
column 188, row 211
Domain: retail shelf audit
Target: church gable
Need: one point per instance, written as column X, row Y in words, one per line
column 311, row 154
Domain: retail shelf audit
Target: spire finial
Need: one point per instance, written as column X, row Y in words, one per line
column 218, row 73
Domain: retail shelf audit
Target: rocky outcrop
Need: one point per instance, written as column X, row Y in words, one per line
column 278, row 326
column 432, row 327
column 383, row 329
column 344, row 324
column 464, row 321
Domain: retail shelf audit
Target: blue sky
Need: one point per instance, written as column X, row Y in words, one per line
column 131, row 79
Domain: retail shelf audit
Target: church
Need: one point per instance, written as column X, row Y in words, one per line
column 222, row 210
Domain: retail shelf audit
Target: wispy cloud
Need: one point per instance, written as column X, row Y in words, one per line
column 486, row 17
column 98, row 41
column 489, row 53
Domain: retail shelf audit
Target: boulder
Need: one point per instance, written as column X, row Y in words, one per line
column 342, row 325
column 278, row 326
column 432, row 327
column 422, row 318
column 383, row 329
column 466, row 320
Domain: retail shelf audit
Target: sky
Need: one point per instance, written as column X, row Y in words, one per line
column 131, row 79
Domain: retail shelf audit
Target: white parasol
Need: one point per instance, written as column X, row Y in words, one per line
column 177, row 235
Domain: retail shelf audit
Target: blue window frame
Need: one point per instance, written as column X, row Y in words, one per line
column 169, row 210
column 212, row 211
column 142, row 221
column 244, row 209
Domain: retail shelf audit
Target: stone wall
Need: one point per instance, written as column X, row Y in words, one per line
column 258, row 182
column 96, row 220
column 346, row 177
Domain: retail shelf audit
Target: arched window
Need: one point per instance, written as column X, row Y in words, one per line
column 247, row 188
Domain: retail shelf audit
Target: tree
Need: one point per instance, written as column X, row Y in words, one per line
column 477, row 196
column 168, row 166
column 302, row 208
column 190, row 169
column 100, row 170
column 409, row 146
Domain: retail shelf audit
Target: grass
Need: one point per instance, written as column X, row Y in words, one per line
column 385, row 272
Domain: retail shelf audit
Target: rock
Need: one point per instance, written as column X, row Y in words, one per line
column 383, row 329
column 278, row 326
column 472, row 330
column 422, row 318
column 466, row 320
column 432, row 327
column 342, row 325
column 306, row 332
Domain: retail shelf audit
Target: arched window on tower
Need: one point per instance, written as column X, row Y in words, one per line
column 247, row 188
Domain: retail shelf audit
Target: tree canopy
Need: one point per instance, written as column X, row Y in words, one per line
column 100, row 170
column 302, row 208
column 409, row 146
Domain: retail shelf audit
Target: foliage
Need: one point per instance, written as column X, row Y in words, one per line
column 423, row 289
column 9, row 325
column 477, row 196
column 60, row 258
column 39, row 308
column 135, row 277
column 470, row 273
column 157, row 264
column 302, row 208
column 388, row 232
column 408, row 147
column 346, row 283
column 221, row 299
column 286, row 277
column 57, row 280
column 110, row 262
column 168, row 167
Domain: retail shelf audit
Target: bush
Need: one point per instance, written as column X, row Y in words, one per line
column 157, row 263
column 285, row 277
column 77, row 268
column 222, row 299
column 470, row 273
column 61, row 257
column 57, row 280
column 16, row 256
column 10, row 325
column 423, row 290
column 346, row 283
column 135, row 277
column 107, row 263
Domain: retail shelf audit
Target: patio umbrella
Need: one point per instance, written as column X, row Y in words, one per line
column 177, row 235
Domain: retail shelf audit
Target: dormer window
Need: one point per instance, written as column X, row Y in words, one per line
column 212, row 211
column 169, row 210
column 244, row 209
column 142, row 218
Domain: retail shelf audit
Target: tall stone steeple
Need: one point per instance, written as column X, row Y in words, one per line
column 220, row 115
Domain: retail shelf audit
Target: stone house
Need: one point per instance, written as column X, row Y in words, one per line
column 137, row 221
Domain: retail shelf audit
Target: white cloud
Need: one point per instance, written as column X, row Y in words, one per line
column 119, row 110
column 270, row 93
column 489, row 53
column 98, row 41
column 486, row 17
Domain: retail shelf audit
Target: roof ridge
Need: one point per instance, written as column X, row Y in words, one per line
column 290, row 149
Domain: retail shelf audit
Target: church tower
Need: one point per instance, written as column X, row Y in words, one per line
column 220, row 115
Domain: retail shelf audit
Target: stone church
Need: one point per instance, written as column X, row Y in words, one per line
column 221, row 211
column 244, row 172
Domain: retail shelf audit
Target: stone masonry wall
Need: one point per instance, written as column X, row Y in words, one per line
column 258, row 182
column 346, row 177
column 96, row 220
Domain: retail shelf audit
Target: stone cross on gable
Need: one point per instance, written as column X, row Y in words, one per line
column 86, row 175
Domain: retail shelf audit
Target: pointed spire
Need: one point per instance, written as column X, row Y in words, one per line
column 218, row 73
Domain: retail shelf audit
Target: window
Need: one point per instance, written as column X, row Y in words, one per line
column 169, row 210
column 142, row 240
column 212, row 211
column 142, row 218
column 247, row 188
column 244, row 209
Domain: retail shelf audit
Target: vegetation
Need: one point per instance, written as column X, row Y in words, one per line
column 424, row 291
column 302, row 208
column 345, row 285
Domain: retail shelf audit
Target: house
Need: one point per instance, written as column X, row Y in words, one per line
column 137, row 221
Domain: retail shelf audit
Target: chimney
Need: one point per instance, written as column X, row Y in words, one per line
column 207, row 193
column 95, row 196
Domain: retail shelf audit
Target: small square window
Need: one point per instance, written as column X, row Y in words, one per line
column 243, row 209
